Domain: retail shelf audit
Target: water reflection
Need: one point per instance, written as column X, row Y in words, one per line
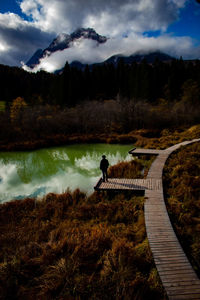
column 31, row 174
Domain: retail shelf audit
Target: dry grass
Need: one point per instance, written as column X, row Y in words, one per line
column 70, row 246
column 182, row 188
column 167, row 137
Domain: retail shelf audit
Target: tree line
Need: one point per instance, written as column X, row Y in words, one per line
column 103, row 99
column 141, row 81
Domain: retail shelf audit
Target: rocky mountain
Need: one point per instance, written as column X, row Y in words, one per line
column 66, row 41
column 63, row 41
column 35, row 58
column 138, row 58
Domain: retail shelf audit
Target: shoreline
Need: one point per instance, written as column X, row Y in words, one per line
column 142, row 138
column 62, row 140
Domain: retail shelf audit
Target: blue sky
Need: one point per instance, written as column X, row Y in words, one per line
column 13, row 7
column 189, row 22
column 9, row 6
column 171, row 26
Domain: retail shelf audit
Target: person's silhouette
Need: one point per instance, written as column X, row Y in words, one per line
column 104, row 166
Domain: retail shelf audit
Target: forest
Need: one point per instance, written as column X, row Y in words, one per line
column 42, row 107
column 141, row 81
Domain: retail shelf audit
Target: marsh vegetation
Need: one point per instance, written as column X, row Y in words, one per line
column 70, row 246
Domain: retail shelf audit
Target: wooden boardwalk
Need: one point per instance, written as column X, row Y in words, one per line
column 138, row 152
column 176, row 273
column 122, row 184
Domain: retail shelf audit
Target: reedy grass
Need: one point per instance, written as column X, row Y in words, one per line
column 70, row 246
column 182, row 190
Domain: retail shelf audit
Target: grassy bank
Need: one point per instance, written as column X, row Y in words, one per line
column 147, row 138
column 59, row 140
column 167, row 137
column 70, row 246
column 182, row 190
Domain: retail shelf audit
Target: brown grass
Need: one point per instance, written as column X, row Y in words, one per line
column 70, row 246
column 182, row 188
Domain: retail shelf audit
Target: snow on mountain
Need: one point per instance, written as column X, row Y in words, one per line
column 63, row 42
column 85, row 46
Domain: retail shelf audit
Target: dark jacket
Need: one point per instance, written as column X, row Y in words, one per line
column 104, row 164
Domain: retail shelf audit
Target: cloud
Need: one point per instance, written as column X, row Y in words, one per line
column 20, row 38
column 107, row 17
column 88, row 51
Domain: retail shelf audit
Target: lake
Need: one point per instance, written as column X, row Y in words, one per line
column 36, row 173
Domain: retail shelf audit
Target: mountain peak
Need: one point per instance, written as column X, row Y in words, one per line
column 150, row 57
column 59, row 43
column 63, row 41
column 88, row 33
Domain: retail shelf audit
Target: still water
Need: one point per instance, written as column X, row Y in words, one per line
column 36, row 173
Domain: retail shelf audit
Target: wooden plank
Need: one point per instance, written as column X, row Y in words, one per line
column 162, row 247
column 176, row 290
column 170, row 255
column 194, row 283
column 184, row 267
column 156, row 244
column 159, row 237
column 175, row 273
column 137, row 151
column 159, row 232
column 155, row 234
column 159, row 221
column 184, row 291
column 177, row 278
column 160, row 260
column 172, row 251
column 183, row 297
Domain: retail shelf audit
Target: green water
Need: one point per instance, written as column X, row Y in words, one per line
column 36, row 173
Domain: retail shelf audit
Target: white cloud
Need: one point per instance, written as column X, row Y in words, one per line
column 113, row 17
column 3, row 47
column 19, row 39
column 11, row 20
column 87, row 51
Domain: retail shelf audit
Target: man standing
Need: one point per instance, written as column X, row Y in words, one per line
column 104, row 166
